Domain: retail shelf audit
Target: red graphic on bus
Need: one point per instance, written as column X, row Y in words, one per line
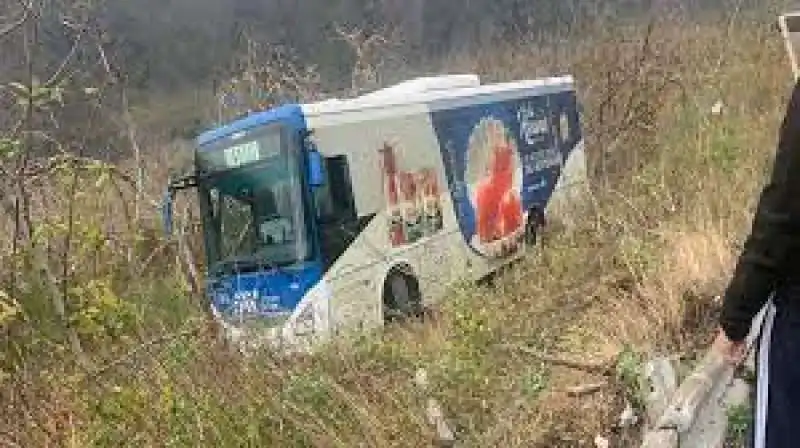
column 499, row 216
column 412, row 199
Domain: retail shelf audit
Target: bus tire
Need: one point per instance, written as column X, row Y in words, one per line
column 401, row 296
column 533, row 226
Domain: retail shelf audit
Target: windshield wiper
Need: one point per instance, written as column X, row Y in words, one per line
column 236, row 265
column 246, row 264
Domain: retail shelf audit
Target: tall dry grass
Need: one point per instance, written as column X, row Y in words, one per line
column 673, row 188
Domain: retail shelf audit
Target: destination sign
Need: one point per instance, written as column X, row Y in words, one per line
column 264, row 147
column 239, row 155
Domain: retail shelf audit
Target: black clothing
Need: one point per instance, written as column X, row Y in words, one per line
column 776, row 401
column 770, row 257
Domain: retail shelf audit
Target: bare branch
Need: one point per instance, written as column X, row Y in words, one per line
column 59, row 74
column 19, row 22
column 605, row 368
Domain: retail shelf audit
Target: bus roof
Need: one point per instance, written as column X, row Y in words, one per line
column 423, row 84
column 439, row 98
column 435, row 93
column 286, row 112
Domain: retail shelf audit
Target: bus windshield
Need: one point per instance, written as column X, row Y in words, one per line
column 252, row 204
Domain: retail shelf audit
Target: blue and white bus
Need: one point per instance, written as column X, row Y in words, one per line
column 343, row 214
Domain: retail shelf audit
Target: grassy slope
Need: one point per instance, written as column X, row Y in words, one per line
column 639, row 273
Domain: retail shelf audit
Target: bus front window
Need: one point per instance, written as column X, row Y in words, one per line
column 254, row 212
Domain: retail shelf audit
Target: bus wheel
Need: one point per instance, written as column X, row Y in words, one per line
column 401, row 297
column 533, row 226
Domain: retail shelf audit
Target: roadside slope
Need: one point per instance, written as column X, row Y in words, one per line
column 674, row 187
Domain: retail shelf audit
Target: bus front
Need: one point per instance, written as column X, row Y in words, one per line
column 254, row 192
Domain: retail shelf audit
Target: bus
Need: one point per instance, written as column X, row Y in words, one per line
column 345, row 214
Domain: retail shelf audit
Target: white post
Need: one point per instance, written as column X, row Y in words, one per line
column 787, row 40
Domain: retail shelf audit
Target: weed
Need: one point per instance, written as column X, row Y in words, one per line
column 738, row 425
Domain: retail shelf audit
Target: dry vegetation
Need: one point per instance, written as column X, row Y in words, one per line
column 104, row 345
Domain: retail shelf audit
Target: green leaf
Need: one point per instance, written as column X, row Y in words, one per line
column 9, row 147
column 57, row 95
column 9, row 308
column 102, row 179
column 19, row 90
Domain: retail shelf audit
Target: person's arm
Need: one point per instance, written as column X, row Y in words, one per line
column 774, row 234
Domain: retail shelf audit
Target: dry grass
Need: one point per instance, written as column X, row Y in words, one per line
column 674, row 187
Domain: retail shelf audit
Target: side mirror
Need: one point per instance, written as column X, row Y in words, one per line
column 166, row 211
column 316, row 168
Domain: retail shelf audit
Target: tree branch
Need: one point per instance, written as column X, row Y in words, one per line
column 19, row 22
column 605, row 368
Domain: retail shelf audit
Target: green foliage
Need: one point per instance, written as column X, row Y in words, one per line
column 629, row 373
column 471, row 326
column 534, row 381
column 41, row 97
column 310, row 390
column 10, row 309
column 739, row 418
column 725, row 148
column 99, row 312
column 9, row 148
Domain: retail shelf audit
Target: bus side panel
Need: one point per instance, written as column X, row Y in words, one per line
column 445, row 193
column 504, row 160
column 571, row 191
column 398, row 180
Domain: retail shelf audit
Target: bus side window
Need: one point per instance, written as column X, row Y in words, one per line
column 335, row 201
column 339, row 223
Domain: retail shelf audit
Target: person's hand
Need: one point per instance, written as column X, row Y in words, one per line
column 732, row 352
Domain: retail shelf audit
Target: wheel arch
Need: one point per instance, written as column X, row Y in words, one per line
column 405, row 269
